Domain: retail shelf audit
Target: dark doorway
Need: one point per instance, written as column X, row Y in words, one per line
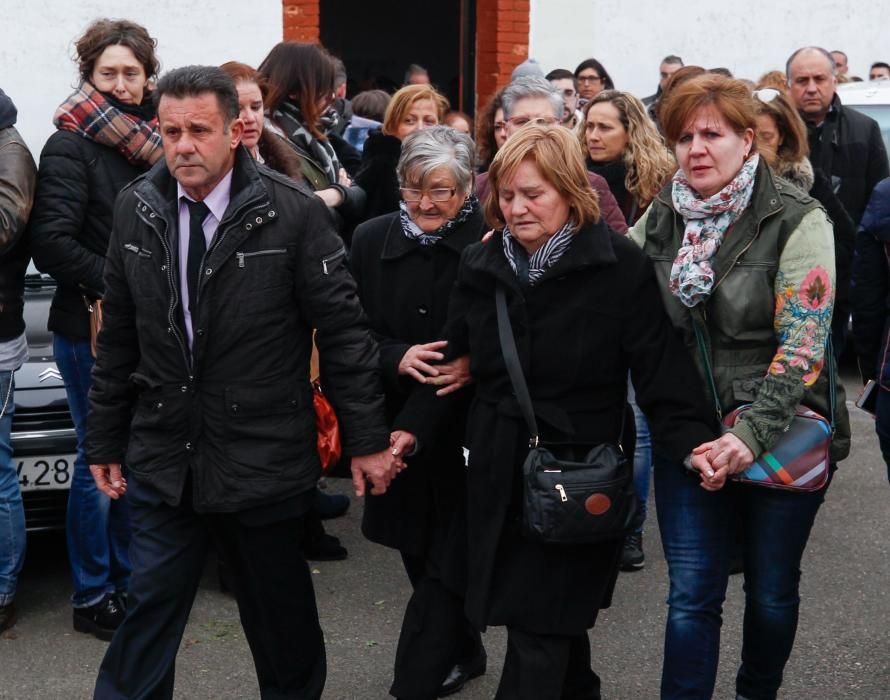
column 377, row 42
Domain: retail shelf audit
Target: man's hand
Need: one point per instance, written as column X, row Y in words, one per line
column 414, row 362
column 109, row 479
column 379, row 468
column 453, row 375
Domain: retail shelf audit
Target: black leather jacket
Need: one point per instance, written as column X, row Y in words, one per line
column 236, row 409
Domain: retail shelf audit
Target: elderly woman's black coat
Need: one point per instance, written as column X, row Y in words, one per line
column 592, row 316
column 404, row 288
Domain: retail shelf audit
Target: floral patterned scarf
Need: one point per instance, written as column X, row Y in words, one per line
column 707, row 221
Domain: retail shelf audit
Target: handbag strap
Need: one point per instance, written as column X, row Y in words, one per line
column 705, row 355
column 517, row 378
column 514, row 369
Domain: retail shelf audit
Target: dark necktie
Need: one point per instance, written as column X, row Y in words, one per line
column 198, row 211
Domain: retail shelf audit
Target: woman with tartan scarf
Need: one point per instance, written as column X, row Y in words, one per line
column 300, row 89
column 106, row 136
column 745, row 265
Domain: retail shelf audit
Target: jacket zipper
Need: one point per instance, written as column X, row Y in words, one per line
column 326, row 261
column 174, row 293
column 256, row 253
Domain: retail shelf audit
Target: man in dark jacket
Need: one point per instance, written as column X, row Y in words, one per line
column 845, row 147
column 217, row 272
column 17, row 177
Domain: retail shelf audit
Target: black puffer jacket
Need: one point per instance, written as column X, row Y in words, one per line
column 237, row 410
column 77, row 183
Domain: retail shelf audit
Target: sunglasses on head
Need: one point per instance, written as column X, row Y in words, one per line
column 766, row 95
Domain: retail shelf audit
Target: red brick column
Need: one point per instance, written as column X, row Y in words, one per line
column 501, row 44
column 301, row 20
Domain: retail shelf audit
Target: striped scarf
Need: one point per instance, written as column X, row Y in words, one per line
column 92, row 115
column 290, row 119
column 545, row 256
column 415, row 233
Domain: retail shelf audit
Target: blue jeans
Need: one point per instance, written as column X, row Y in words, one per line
column 642, row 460
column 697, row 531
column 12, row 514
column 98, row 529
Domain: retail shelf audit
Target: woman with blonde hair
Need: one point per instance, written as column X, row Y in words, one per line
column 411, row 108
column 584, row 309
column 623, row 146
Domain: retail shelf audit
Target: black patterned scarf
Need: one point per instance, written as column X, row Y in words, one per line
column 290, row 119
column 415, row 233
column 544, row 257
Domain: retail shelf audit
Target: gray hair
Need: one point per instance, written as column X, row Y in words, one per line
column 817, row 49
column 427, row 149
column 531, row 86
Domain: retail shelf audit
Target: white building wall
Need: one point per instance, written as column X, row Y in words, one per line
column 37, row 44
column 630, row 37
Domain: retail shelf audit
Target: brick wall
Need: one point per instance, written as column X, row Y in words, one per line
column 501, row 44
column 301, row 20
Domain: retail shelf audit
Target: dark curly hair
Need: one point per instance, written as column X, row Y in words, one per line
column 116, row 32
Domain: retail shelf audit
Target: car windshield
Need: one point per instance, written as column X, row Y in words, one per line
column 881, row 114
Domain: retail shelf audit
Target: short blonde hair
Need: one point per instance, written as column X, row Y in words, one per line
column 555, row 153
column 403, row 99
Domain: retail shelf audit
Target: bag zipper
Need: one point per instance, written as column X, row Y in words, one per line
column 562, row 493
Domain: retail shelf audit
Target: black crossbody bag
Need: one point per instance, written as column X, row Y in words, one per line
column 571, row 493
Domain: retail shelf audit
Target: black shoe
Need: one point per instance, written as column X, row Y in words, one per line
column 7, row 617
column 632, row 557
column 330, row 505
column 325, row 548
column 463, row 672
column 102, row 619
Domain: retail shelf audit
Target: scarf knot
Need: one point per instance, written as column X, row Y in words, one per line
column 91, row 114
column 707, row 221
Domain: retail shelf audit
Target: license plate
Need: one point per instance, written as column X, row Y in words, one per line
column 45, row 472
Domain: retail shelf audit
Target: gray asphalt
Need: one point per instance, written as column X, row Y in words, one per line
column 842, row 648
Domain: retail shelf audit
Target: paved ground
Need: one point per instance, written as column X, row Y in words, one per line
column 842, row 650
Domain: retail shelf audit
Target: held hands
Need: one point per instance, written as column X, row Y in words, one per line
column 419, row 364
column 381, row 468
column 719, row 459
column 109, row 479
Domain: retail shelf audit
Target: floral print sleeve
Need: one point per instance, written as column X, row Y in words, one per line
column 804, row 293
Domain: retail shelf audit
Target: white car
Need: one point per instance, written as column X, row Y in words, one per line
column 872, row 99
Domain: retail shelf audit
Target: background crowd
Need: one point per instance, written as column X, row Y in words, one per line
column 664, row 260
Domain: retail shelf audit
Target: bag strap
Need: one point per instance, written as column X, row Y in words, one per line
column 514, row 369
column 705, row 354
column 517, row 378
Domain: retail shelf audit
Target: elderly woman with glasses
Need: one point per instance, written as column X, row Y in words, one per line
column 405, row 265
column 584, row 309
column 745, row 267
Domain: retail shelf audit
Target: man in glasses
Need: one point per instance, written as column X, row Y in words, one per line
column 669, row 65
column 564, row 81
column 533, row 100
column 845, row 146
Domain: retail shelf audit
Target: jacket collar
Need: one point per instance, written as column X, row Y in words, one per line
column 591, row 247
column 397, row 244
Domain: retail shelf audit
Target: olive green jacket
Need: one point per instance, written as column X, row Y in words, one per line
column 769, row 314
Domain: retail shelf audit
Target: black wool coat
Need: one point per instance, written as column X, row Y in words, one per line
column 404, row 288
column 377, row 174
column 593, row 316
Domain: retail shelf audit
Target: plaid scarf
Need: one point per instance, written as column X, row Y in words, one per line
column 544, row 257
column 92, row 115
column 415, row 233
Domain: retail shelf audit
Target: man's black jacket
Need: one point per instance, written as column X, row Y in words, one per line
column 237, row 410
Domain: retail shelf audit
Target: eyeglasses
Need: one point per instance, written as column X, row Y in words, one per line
column 766, row 95
column 589, row 78
column 519, row 122
column 439, row 194
column 500, row 126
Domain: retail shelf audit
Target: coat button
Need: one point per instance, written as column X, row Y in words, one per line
column 159, row 405
column 248, row 226
column 208, row 271
column 772, row 201
column 200, row 332
column 259, row 219
column 183, row 388
column 423, row 310
column 188, row 446
column 235, row 408
column 271, row 214
column 163, row 268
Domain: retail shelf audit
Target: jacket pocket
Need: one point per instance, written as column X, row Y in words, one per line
column 332, row 260
column 244, row 258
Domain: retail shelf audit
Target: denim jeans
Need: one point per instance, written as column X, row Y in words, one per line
column 697, row 529
column 12, row 514
column 882, row 425
column 98, row 529
column 642, row 461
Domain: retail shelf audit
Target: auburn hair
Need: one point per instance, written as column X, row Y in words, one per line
column 401, row 103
